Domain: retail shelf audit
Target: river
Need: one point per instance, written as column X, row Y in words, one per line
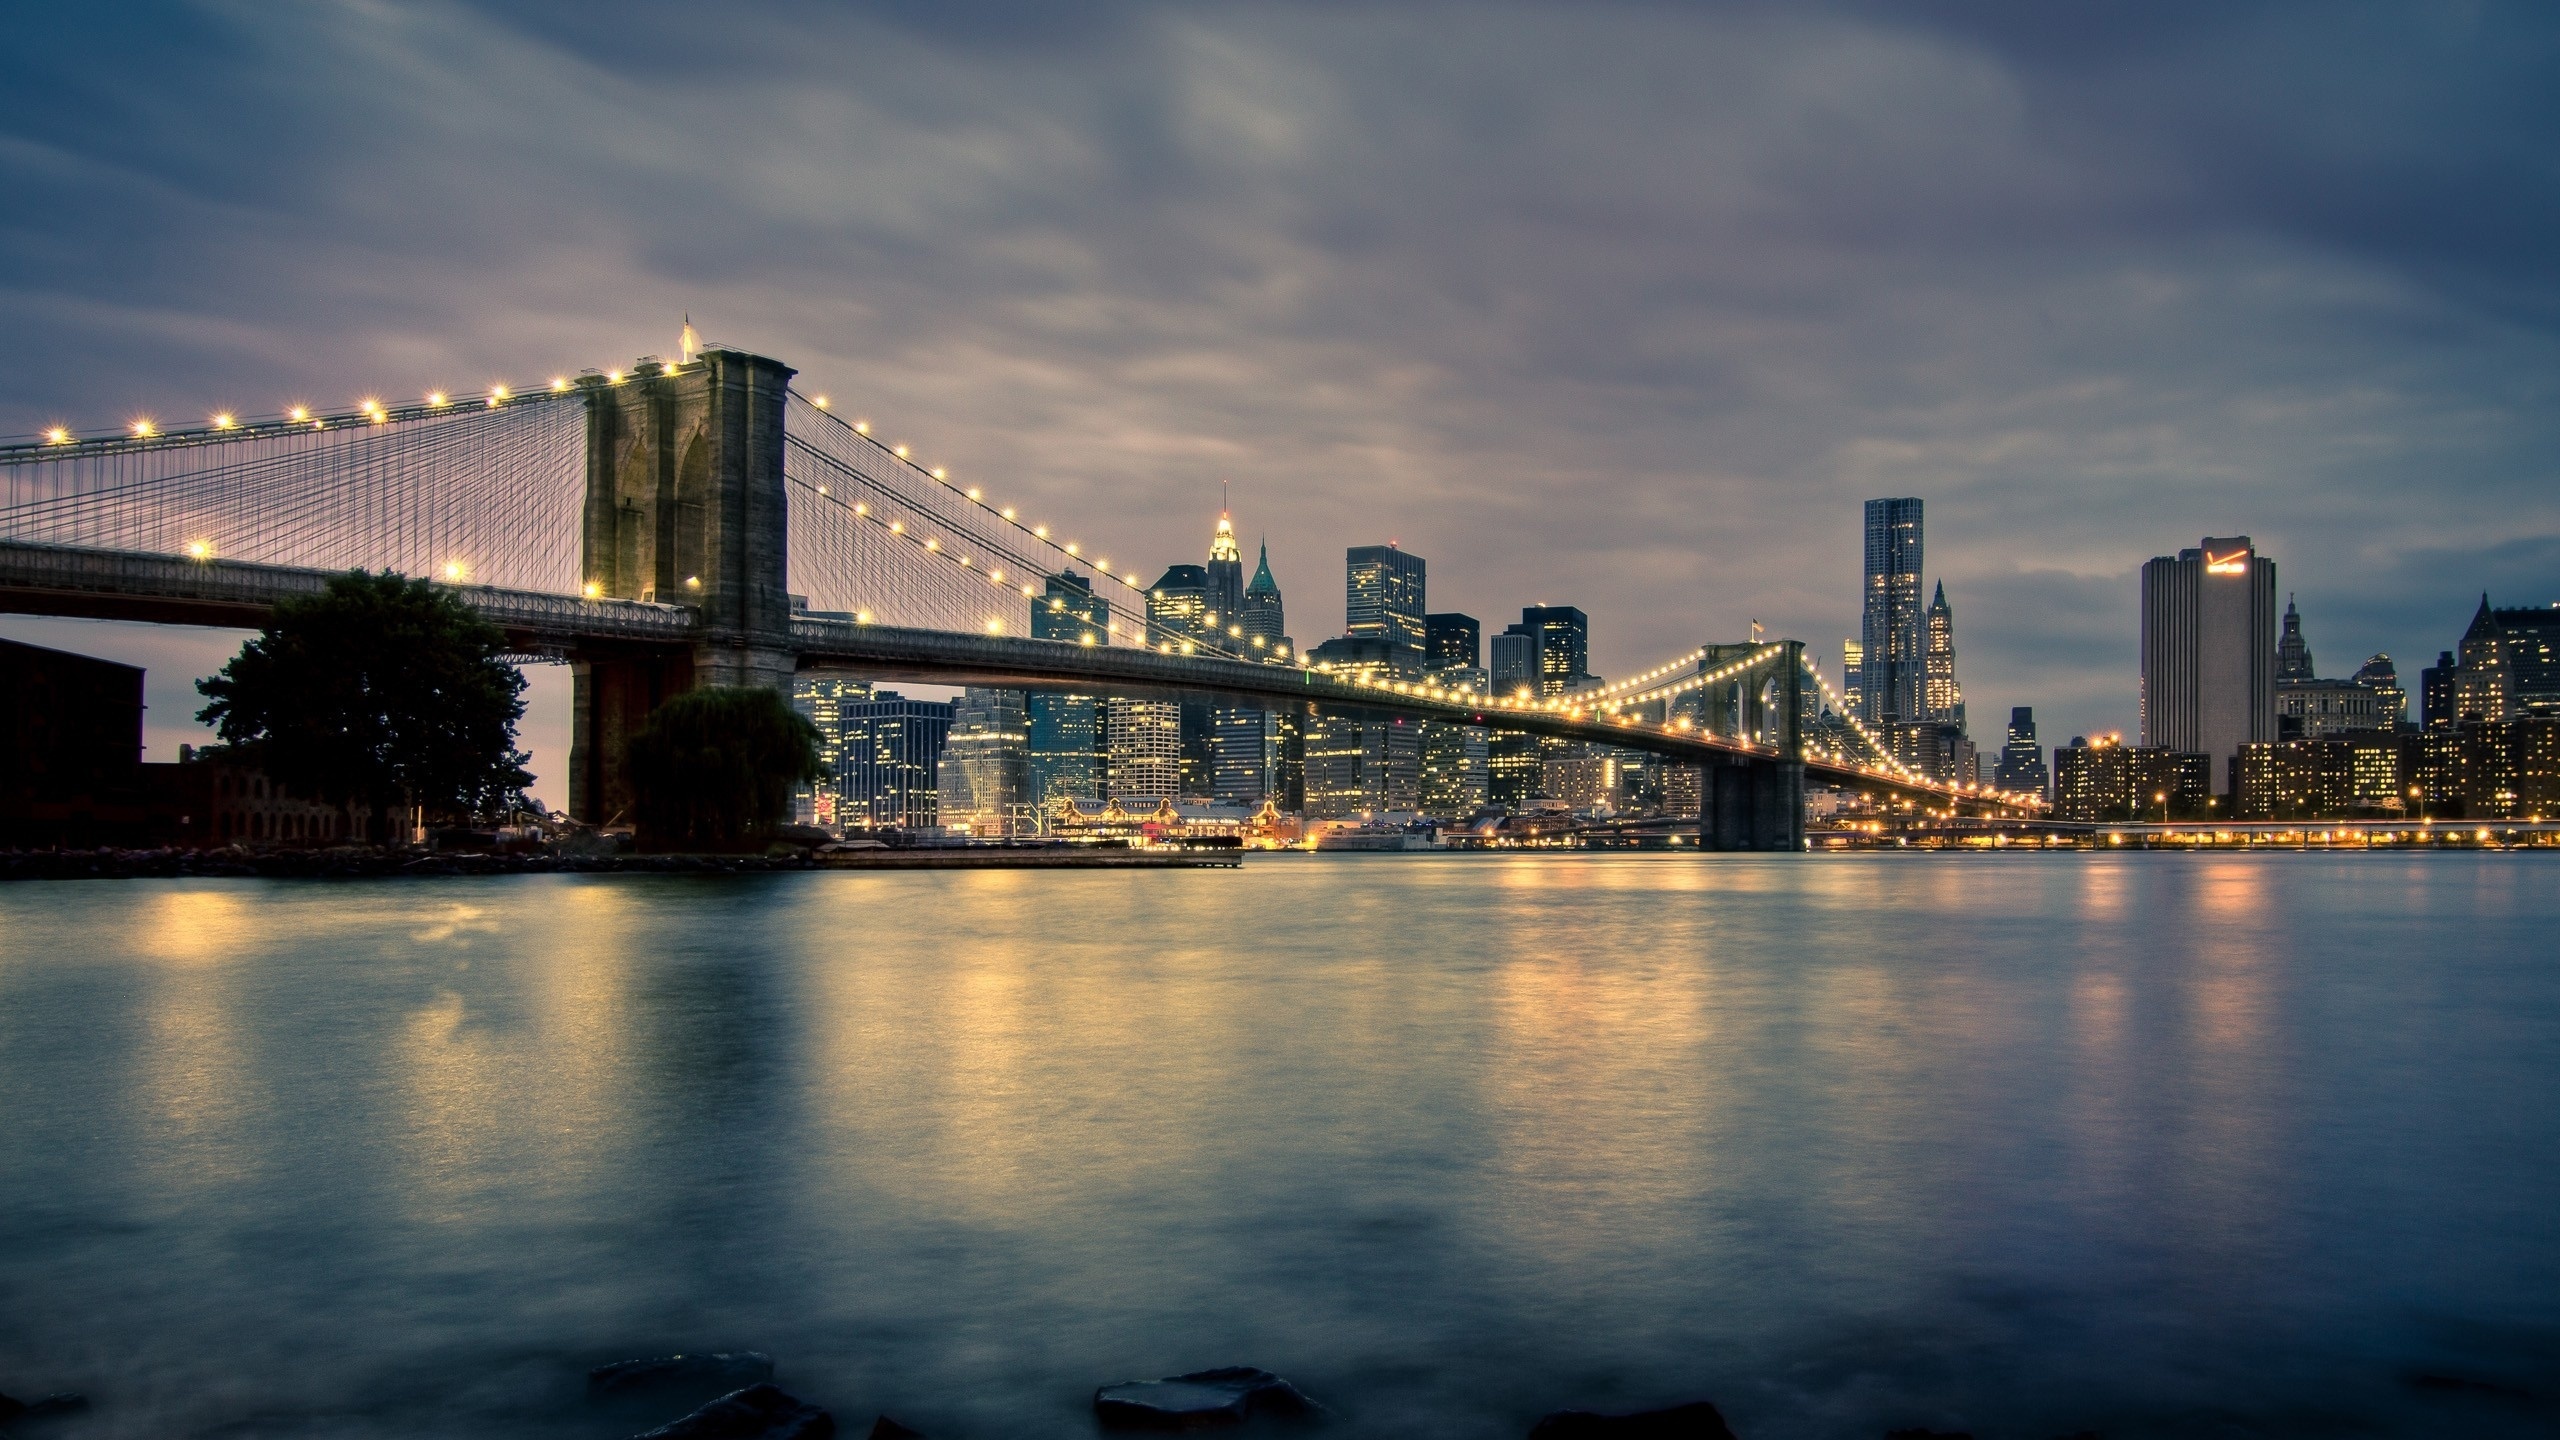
column 2262, row 1145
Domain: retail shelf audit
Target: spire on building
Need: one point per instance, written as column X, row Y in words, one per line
column 2293, row 655
column 1941, row 698
column 2484, row 625
column 1263, row 584
column 1222, row 543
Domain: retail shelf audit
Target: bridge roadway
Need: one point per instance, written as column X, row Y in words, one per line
column 170, row 589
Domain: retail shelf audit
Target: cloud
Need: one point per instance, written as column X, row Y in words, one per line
column 1621, row 306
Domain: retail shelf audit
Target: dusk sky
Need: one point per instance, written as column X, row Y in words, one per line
column 1626, row 307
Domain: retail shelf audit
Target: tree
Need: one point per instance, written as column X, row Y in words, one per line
column 714, row 769
column 381, row 690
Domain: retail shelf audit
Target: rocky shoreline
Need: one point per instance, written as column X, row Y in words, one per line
column 353, row 862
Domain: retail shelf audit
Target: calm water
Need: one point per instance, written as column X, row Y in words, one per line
column 2159, row 1145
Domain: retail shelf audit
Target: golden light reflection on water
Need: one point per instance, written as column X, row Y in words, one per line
column 197, row 1093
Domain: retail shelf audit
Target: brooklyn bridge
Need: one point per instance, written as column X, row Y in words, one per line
column 700, row 521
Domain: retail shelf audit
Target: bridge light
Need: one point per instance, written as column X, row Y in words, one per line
column 559, row 382
column 1071, row 547
column 818, row 400
column 224, row 421
column 860, row 508
column 693, row 582
column 497, row 392
column 144, row 429
column 1008, row 512
column 1026, row 592
column 1041, row 531
column 453, row 569
column 964, row 559
column 931, row 544
column 822, row 490
column 436, row 398
column 1102, row 565
column 199, row 550
column 58, row 435
column 861, row 617
column 594, row 591
column 941, row 474
column 613, row 377
column 1088, row 638
column 995, row 627
column 861, row 427
column 898, row 450
column 897, row 527
column 996, row 576
column 1257, row 642
column 667, row 369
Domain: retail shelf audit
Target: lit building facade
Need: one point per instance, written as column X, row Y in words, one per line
column 2507, row 667
column 1941, row 696
column 1064, row 729
column 820, row 696
column 1142, row 749
column 1892, row 637
column 985, row 781
column 1361, row 765
column 1853, row 678
column 2022, row 759
column 892, row 761
column 2294, row 780
column 1383, row 591
column 2209, row 649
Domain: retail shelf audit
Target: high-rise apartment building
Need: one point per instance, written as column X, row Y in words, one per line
column 2209, row 650
column 1361, row 765
column 1892, row 634
column 893, row 761
column 985, row 777
column 2508, row 665
column 820, row 697
column 1941, row 698
column 1142, row 749
column 2021, row 759
column 1853, row 679
column 1383, row 600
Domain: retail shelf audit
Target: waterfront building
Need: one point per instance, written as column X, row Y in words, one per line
column 2379, row 764
column 1941, row 697
column 1065, row 728
column 2021, row 759
column 820, row 696
column 2091, row 779
column 1361, row 765
column 985, row 780
column 2508, row 664
column 2208, row 649
column 2294, row 780
column 892, row 761
column 1452, row 642
column 1142, row 749
column 1892, row 631
column 70, row 768
column 1683, row 786
column 2168, row 784
column 1383, row 590
column 1853, row 678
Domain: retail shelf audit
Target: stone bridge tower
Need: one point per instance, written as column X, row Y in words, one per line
column 684, row 506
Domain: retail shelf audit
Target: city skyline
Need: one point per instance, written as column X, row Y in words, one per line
column 2082, row 330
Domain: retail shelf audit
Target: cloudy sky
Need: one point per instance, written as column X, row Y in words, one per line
column 1623, row 306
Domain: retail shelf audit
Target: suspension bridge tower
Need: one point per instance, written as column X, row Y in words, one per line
column 684, row 506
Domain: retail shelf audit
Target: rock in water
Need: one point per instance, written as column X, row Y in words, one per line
column 759, row 1412
column 723, row 1371
column 1695, row 1421
column 1204, row 1397
column 66, row 1403
column 885, row 1428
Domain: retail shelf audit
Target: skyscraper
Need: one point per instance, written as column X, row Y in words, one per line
column 820, row 697
column 1226, row 586
column 1452, row 642
column 2209, row 650
column 1264, row 618
column 1066, row 756
column 1891, row 633
column 985, row 774
column 1563, row 636
column 1142, row 743
column 1941, row 698
column 1179, row 609
column 2293, row 654
column 2022, row 760
column 1515, row 662
column 1853, row 678
column 1383, row 600
column 893, row 760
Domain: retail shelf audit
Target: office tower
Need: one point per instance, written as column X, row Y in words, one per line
column 1248, row 754
column 985, row 776
column 2021, row 760
column 1452, row 642
column 1179, row 607
column 1226, row 586
column 2209, row 650
column 1563, row 636
column 1515, row 662
column 2508, row 665
column 1065, row 729
column 2390, row 702
column 893, row 760
column 1456, row 778
column 1142, row 744
column 2435, row 692
column 1891, row 632
column 820, row 697
column 1941, row 698
column 1853, row 679
column 1264, row 618
column 2293, row 654
column 1360, row 765
column 1383, row 600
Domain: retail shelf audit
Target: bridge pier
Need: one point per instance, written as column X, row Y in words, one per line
column 1757, row 802
column 685, row 506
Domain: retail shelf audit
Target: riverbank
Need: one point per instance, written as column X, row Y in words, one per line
column 361, row 862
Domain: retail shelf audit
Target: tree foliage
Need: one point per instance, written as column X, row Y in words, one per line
column 381, row 690
column 714, row 769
